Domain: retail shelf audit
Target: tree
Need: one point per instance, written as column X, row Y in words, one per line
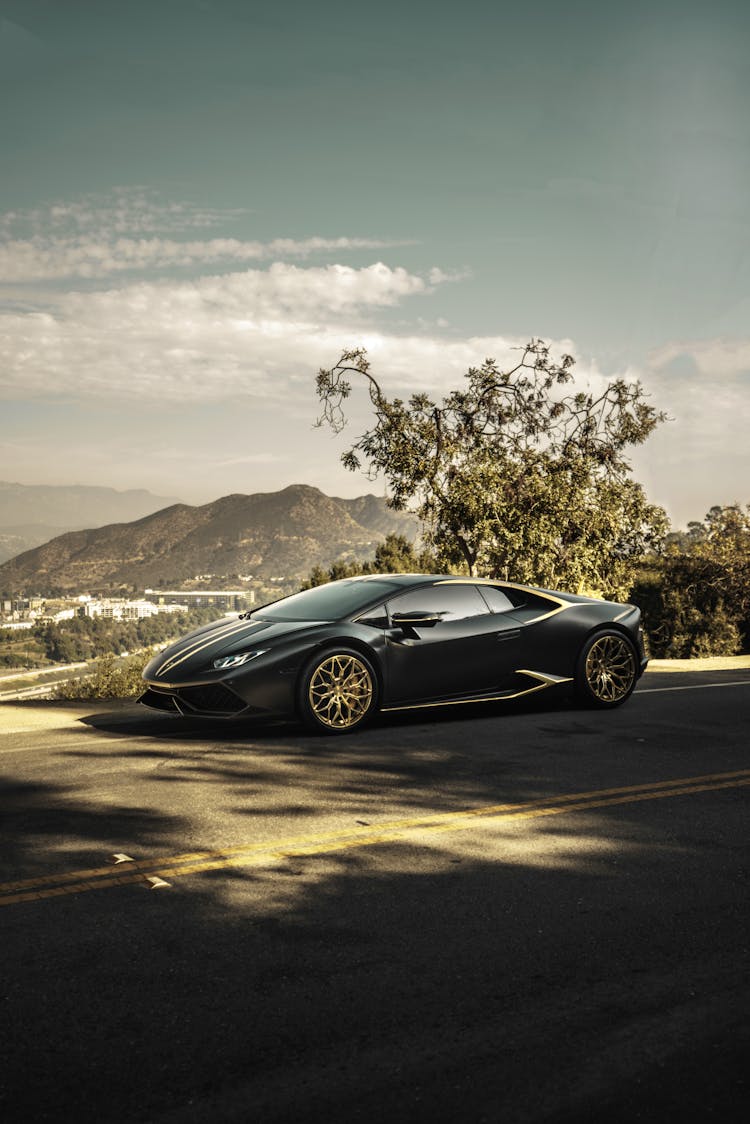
column 722, row 549
column 512, row 476
column 697, row 602
column 395, row 555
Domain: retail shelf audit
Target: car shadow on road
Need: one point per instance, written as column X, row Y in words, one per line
column 139, row 721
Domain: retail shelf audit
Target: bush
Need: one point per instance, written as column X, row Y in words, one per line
column 683, row 616
column 109, row 680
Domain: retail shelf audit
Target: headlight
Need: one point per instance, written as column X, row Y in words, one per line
column 237, row 659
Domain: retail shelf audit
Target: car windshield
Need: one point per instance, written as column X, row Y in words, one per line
column 327, row 602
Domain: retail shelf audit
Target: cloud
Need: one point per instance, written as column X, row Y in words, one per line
column 703, row 386
column 255, row 331
column 261, row 332
column 132, row 230
column 214, row 337
column 258, row 332
column 52, row 259
column 165, row 307
column 713, row 359
column 699, row 457
column 124, row 210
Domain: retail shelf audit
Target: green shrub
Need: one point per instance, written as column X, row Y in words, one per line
column 681, row 625
column 108, row 680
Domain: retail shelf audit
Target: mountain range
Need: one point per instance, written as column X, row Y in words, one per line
column 269, row 535
column 31, row 514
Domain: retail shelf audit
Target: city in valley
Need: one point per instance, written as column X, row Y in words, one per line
column 48, row 642
column 22, row 612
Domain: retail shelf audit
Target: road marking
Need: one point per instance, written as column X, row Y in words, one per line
column 692, row 687
column 254, row 854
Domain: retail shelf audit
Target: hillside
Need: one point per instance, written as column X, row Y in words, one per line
column 275, row 534
column 31, row 514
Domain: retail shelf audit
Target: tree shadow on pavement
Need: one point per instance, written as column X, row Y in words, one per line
column 508, row 972
column 407, row 985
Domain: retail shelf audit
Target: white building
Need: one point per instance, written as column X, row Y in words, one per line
column 125, row 610
column 218, row 598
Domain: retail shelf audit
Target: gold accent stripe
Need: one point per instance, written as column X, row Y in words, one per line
column 73, row 882
column 625, row 613
column 552, row 613
column 545, row 682
column 193, row 649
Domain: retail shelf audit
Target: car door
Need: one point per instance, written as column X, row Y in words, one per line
column 468, row 651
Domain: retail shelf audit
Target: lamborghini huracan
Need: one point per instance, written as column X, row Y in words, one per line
column 335, row 655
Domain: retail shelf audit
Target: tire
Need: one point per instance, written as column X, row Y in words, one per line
column 338, row 691
column 607, row 670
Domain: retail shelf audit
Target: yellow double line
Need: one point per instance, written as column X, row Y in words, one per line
column 256, row 854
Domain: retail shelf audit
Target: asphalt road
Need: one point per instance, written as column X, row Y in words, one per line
column 536, row 914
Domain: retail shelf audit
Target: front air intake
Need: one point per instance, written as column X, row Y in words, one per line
column 214, row 698
column 159, row 700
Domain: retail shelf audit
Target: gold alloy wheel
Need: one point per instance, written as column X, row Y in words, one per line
column 610, row 668
column 340, row 691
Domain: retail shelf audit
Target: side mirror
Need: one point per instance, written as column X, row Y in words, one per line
column 415, row 619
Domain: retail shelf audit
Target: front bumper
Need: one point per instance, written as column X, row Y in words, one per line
column 212, row 700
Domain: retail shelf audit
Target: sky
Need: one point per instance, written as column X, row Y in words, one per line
column 203, row 201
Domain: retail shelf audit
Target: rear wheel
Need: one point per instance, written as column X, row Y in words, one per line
column 607, row 670
column 338, row 691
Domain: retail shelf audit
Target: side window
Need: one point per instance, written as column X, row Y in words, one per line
column 375, row 618
column 532, row 603
column 498, row 601
column 450, row 602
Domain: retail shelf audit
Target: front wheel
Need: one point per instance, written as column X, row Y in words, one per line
column 338, row 691
column 607, row 670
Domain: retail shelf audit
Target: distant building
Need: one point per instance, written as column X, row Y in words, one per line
column 53, row 618
column 15, row 609
column 229, row 599
column 126, row 610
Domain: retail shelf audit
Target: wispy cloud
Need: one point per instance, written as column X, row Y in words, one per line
column 132, row 231
column 124, row 210
column 53, row 259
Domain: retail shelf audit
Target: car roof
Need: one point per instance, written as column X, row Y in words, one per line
column 411, row 579
column 423, row 579
column 406, row 581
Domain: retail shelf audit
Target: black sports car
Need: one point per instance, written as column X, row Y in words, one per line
column 336, row 654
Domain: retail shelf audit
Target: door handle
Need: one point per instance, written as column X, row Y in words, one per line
column 511, row 634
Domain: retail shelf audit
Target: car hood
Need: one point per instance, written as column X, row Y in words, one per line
column 194, row 654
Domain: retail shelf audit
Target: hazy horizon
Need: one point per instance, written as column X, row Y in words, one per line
column 203, row 202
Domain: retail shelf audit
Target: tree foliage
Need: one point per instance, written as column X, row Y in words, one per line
column 515, row 475
column 85, row 638
column 696, row 601
column 395, row 555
